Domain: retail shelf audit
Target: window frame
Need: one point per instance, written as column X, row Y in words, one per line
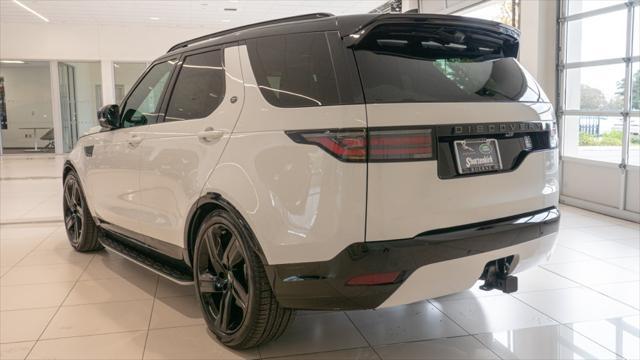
column 156, row 62
column 344, row 87
column 632, row 8
column 171, row 87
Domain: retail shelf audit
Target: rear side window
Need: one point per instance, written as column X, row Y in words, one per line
column 295, row 70
column 199, row 89
column 422, row 64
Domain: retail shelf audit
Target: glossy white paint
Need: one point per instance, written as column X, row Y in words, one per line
column 112, row 175
column 408, row 198
column 302, row 204
column 449, row 277
column 176, row 162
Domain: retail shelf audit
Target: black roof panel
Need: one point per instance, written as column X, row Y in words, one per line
column 345, row 25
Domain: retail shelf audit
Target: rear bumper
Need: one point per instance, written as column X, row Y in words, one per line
column 432, row 264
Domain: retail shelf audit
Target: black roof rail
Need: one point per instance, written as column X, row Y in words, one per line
column 250, row 26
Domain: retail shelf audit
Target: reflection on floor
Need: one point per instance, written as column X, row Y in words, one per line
column 13, row 151
column 56, row 303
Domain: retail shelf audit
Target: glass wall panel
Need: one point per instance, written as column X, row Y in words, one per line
column 580, row 6
column 634, row 141
column 125, row 76
column 25, row 106
column 597, row 37
column 504, row 11
column 593, row 137
column 635, row 86
column 595, row 88
column 80, row 98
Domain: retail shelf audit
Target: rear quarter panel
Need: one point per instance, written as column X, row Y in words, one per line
column 302, row 204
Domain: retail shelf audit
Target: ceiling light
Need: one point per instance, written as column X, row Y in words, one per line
column 30, row 10
column 154, row 18
column 12, row 61
column 226, row 20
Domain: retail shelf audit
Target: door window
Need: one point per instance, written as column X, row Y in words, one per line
column 141, row 106
column 199, row 89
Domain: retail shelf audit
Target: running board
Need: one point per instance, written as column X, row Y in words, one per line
column 169, row 272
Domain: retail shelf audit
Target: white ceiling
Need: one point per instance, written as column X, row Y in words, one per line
column 185, row 13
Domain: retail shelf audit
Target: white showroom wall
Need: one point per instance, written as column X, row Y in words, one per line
column 81, row 43
column 90, row 42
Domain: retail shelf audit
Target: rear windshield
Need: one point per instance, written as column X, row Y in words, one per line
column 436, row 66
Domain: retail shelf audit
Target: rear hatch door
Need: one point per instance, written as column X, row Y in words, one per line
column 459, row 132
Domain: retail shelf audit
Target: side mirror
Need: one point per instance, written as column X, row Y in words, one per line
column 109, row 116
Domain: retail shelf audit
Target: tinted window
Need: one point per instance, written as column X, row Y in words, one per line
column 426, row 63
column 199, row 89
column 389, row 78
column 295, row 70
column 142, row 105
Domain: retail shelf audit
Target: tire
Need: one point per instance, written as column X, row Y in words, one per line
column 81, row 229
column 232, row 287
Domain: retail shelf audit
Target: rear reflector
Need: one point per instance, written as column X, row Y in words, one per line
column 375, row 279
column 374, row 145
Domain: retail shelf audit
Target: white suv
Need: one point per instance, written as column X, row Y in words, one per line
column 322, row 162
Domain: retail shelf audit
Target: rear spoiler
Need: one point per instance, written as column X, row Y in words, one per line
column 353, row 33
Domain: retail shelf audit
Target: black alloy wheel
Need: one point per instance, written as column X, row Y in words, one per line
column 223, row 279
column 81, row 229
column 235, row 296
column 73, row 207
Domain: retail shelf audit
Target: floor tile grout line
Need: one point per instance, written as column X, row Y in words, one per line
column 30, row 178
column 153, row 304
column 361, row 334
column 612, row 282
column 565, row 325
column 81, row 336
column 294, row 356
column 464, row 329
column 31, row 222
column 595, row 341
column 449, row 317
column 44, row 329
column 29, row 252
column 598, row 258
column 592, row 289
column 475, row 337
column 40, row 203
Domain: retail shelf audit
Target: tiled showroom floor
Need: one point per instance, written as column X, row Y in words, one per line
column 56, row 303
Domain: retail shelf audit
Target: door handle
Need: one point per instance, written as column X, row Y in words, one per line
column 210, row 134
column 134, row 140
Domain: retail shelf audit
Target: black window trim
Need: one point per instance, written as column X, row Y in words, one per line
column 158, row 61
column 172, row 83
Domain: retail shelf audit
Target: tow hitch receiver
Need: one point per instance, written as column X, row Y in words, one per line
column 496, row 276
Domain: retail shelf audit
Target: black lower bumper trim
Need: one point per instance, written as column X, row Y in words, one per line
column 321, row 285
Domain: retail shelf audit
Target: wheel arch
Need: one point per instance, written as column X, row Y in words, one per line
column 204, row 206
column 67, row 168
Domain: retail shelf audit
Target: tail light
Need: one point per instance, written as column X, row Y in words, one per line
column 373, row 145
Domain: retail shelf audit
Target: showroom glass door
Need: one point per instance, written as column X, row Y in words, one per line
column 68, row 107
column 598, row 108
